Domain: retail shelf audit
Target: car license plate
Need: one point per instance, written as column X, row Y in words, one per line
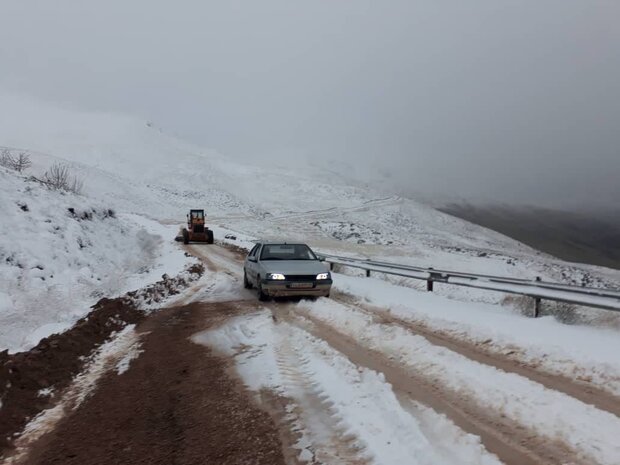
column 301, row 285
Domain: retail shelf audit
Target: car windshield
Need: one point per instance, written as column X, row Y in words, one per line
column 287, row 252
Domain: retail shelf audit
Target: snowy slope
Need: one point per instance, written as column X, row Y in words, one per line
column 60, row 253
column 132, row 167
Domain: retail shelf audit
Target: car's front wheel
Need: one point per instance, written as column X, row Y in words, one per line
column 246, row 283
column 261, row 295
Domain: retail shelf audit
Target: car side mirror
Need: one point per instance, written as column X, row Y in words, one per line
column 252, row 259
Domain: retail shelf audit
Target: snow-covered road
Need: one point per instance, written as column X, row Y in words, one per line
column 350, row 383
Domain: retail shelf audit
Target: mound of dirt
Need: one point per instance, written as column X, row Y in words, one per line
column 28, row 378
column 54, row 362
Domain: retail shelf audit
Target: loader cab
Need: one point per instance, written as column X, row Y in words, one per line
column 196, row 218
column 196, row 215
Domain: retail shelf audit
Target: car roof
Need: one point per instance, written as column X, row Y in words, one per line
column 280, row 243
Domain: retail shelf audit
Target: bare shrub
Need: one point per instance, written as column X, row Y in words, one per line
column 18, row 163
column 521, row 303
column 59, row 177
column 563, row 312
column 6, row 158
column 76, row 185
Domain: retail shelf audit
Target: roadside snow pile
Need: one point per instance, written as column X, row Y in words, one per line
column 59, row 253
column 155, row 295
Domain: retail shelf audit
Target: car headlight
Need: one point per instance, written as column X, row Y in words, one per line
column 276, row 276
column 322, row 276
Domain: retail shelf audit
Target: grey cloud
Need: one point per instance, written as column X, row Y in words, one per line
column 487, row 100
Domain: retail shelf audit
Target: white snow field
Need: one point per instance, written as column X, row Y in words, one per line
column 56, row 262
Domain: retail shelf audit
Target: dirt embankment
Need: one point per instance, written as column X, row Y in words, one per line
column 27, row 378
column 175, row 405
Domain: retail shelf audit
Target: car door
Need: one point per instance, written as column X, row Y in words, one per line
column 252, row 264
column 257, row 267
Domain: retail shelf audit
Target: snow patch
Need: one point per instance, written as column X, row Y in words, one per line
column 548, row 413
column 343, row 412
column 578, row 352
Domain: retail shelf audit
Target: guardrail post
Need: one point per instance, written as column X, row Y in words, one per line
column 331, row 266
column 537, row 301
column 368, row 273
column 429, row 282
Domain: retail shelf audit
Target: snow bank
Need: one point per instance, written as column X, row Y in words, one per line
column 548, row 413
column 60, row 253
column 579, row 352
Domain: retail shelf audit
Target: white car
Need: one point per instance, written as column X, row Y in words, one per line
column 280, row 269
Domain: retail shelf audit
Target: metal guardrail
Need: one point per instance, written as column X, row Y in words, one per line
column 607, row 299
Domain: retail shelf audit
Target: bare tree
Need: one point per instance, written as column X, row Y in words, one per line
column 22, row 162
column 18, row 163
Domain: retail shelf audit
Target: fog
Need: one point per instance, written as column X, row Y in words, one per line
column 487, row 101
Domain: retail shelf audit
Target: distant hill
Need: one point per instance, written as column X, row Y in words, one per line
column 592, row 238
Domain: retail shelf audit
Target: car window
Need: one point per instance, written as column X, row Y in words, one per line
column 254, row 250
column 287, row 252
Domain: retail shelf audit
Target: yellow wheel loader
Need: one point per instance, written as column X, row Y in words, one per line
column 196, row 230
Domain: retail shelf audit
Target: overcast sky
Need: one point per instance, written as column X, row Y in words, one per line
column 508, row 101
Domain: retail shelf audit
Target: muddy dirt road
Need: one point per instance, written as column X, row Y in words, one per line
column 220, row 379
column 174, row 405
column 509, row 439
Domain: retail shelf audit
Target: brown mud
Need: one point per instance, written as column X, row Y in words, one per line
column 175, row 404
column 56, row 360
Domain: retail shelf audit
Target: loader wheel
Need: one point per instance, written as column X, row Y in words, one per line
column 246, row 283
column 185, row 237
column 209, row 237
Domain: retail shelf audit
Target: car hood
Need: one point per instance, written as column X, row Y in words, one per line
column 294, row 266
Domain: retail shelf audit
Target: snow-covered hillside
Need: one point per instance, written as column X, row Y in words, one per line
column 60, row 253
column 131, row 167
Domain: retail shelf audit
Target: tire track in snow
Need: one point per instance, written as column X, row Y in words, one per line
column 586, row 393
column 333, row 211
column 330, row 409
column 513, row 443
column 323, row 437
